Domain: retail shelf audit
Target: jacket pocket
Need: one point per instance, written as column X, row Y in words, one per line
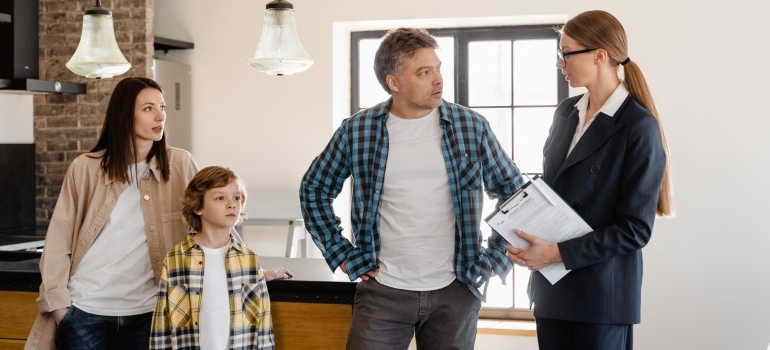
column 174, row 227
column 179, row 306
column 253, row 303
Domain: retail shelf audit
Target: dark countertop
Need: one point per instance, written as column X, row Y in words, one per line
column 19, row 271
column 13, row 243
column 312, row 282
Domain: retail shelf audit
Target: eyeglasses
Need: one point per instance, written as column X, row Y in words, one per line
column 563, row 55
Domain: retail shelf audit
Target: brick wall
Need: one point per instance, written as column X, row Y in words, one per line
column 67, row 126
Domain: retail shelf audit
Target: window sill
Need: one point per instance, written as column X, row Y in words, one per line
column 507, row 327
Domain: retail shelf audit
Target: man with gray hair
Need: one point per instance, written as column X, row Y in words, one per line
column 418, row 164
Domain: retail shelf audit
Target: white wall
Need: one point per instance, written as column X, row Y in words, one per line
column 706, row 284
column 16, row 119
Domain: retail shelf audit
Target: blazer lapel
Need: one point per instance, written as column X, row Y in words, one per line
column 556, row 152
column 597, row 134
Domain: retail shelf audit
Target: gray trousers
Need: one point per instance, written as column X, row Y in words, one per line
column 387, row 318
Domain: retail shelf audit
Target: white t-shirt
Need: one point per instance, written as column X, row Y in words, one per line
column 417, row 219
column 215, row 302
column 115, row 277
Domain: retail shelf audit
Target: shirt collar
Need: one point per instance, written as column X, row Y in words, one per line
column 153, row 167
column 444, row 112
column 611, row 106
column 383, row 110
column 189, row 243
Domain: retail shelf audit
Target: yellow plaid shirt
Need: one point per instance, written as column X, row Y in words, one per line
column 175, row 322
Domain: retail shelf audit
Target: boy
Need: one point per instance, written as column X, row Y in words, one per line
column 230, row 307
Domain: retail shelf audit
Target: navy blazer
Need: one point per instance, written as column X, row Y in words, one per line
column 612, row 180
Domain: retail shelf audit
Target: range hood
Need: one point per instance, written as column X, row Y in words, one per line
column 19, row 45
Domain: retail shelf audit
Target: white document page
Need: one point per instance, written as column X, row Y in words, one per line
column 536, row 209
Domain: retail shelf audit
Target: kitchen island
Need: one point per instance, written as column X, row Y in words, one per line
column 311, row 310
column 19, row 283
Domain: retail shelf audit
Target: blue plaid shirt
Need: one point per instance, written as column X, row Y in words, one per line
column 359, row 148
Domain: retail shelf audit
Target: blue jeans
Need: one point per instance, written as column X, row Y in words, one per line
column 385, row 318
column 84, row 331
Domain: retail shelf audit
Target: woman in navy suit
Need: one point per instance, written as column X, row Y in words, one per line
column 606, row 155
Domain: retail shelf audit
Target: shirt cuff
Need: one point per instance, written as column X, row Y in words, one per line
column 50, row 301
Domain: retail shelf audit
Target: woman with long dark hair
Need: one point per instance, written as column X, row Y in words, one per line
column 118, row 213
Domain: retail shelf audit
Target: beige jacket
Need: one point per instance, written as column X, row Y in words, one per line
column 85, row 202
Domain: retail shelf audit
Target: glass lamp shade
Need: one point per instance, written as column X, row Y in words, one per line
column 279, row 51
column 98, row 55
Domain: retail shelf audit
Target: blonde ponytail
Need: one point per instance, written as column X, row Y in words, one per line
column 638, row 89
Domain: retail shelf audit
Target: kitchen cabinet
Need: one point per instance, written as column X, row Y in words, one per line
column 311, row 310
column 19, row 282
column 19, row 310
column 17, row 186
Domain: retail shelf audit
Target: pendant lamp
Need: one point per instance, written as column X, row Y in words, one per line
column 279, row 51
column 98, row 55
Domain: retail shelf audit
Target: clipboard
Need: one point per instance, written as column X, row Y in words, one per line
column 537, row 210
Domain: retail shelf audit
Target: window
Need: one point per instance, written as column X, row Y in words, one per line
column 509, row 75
